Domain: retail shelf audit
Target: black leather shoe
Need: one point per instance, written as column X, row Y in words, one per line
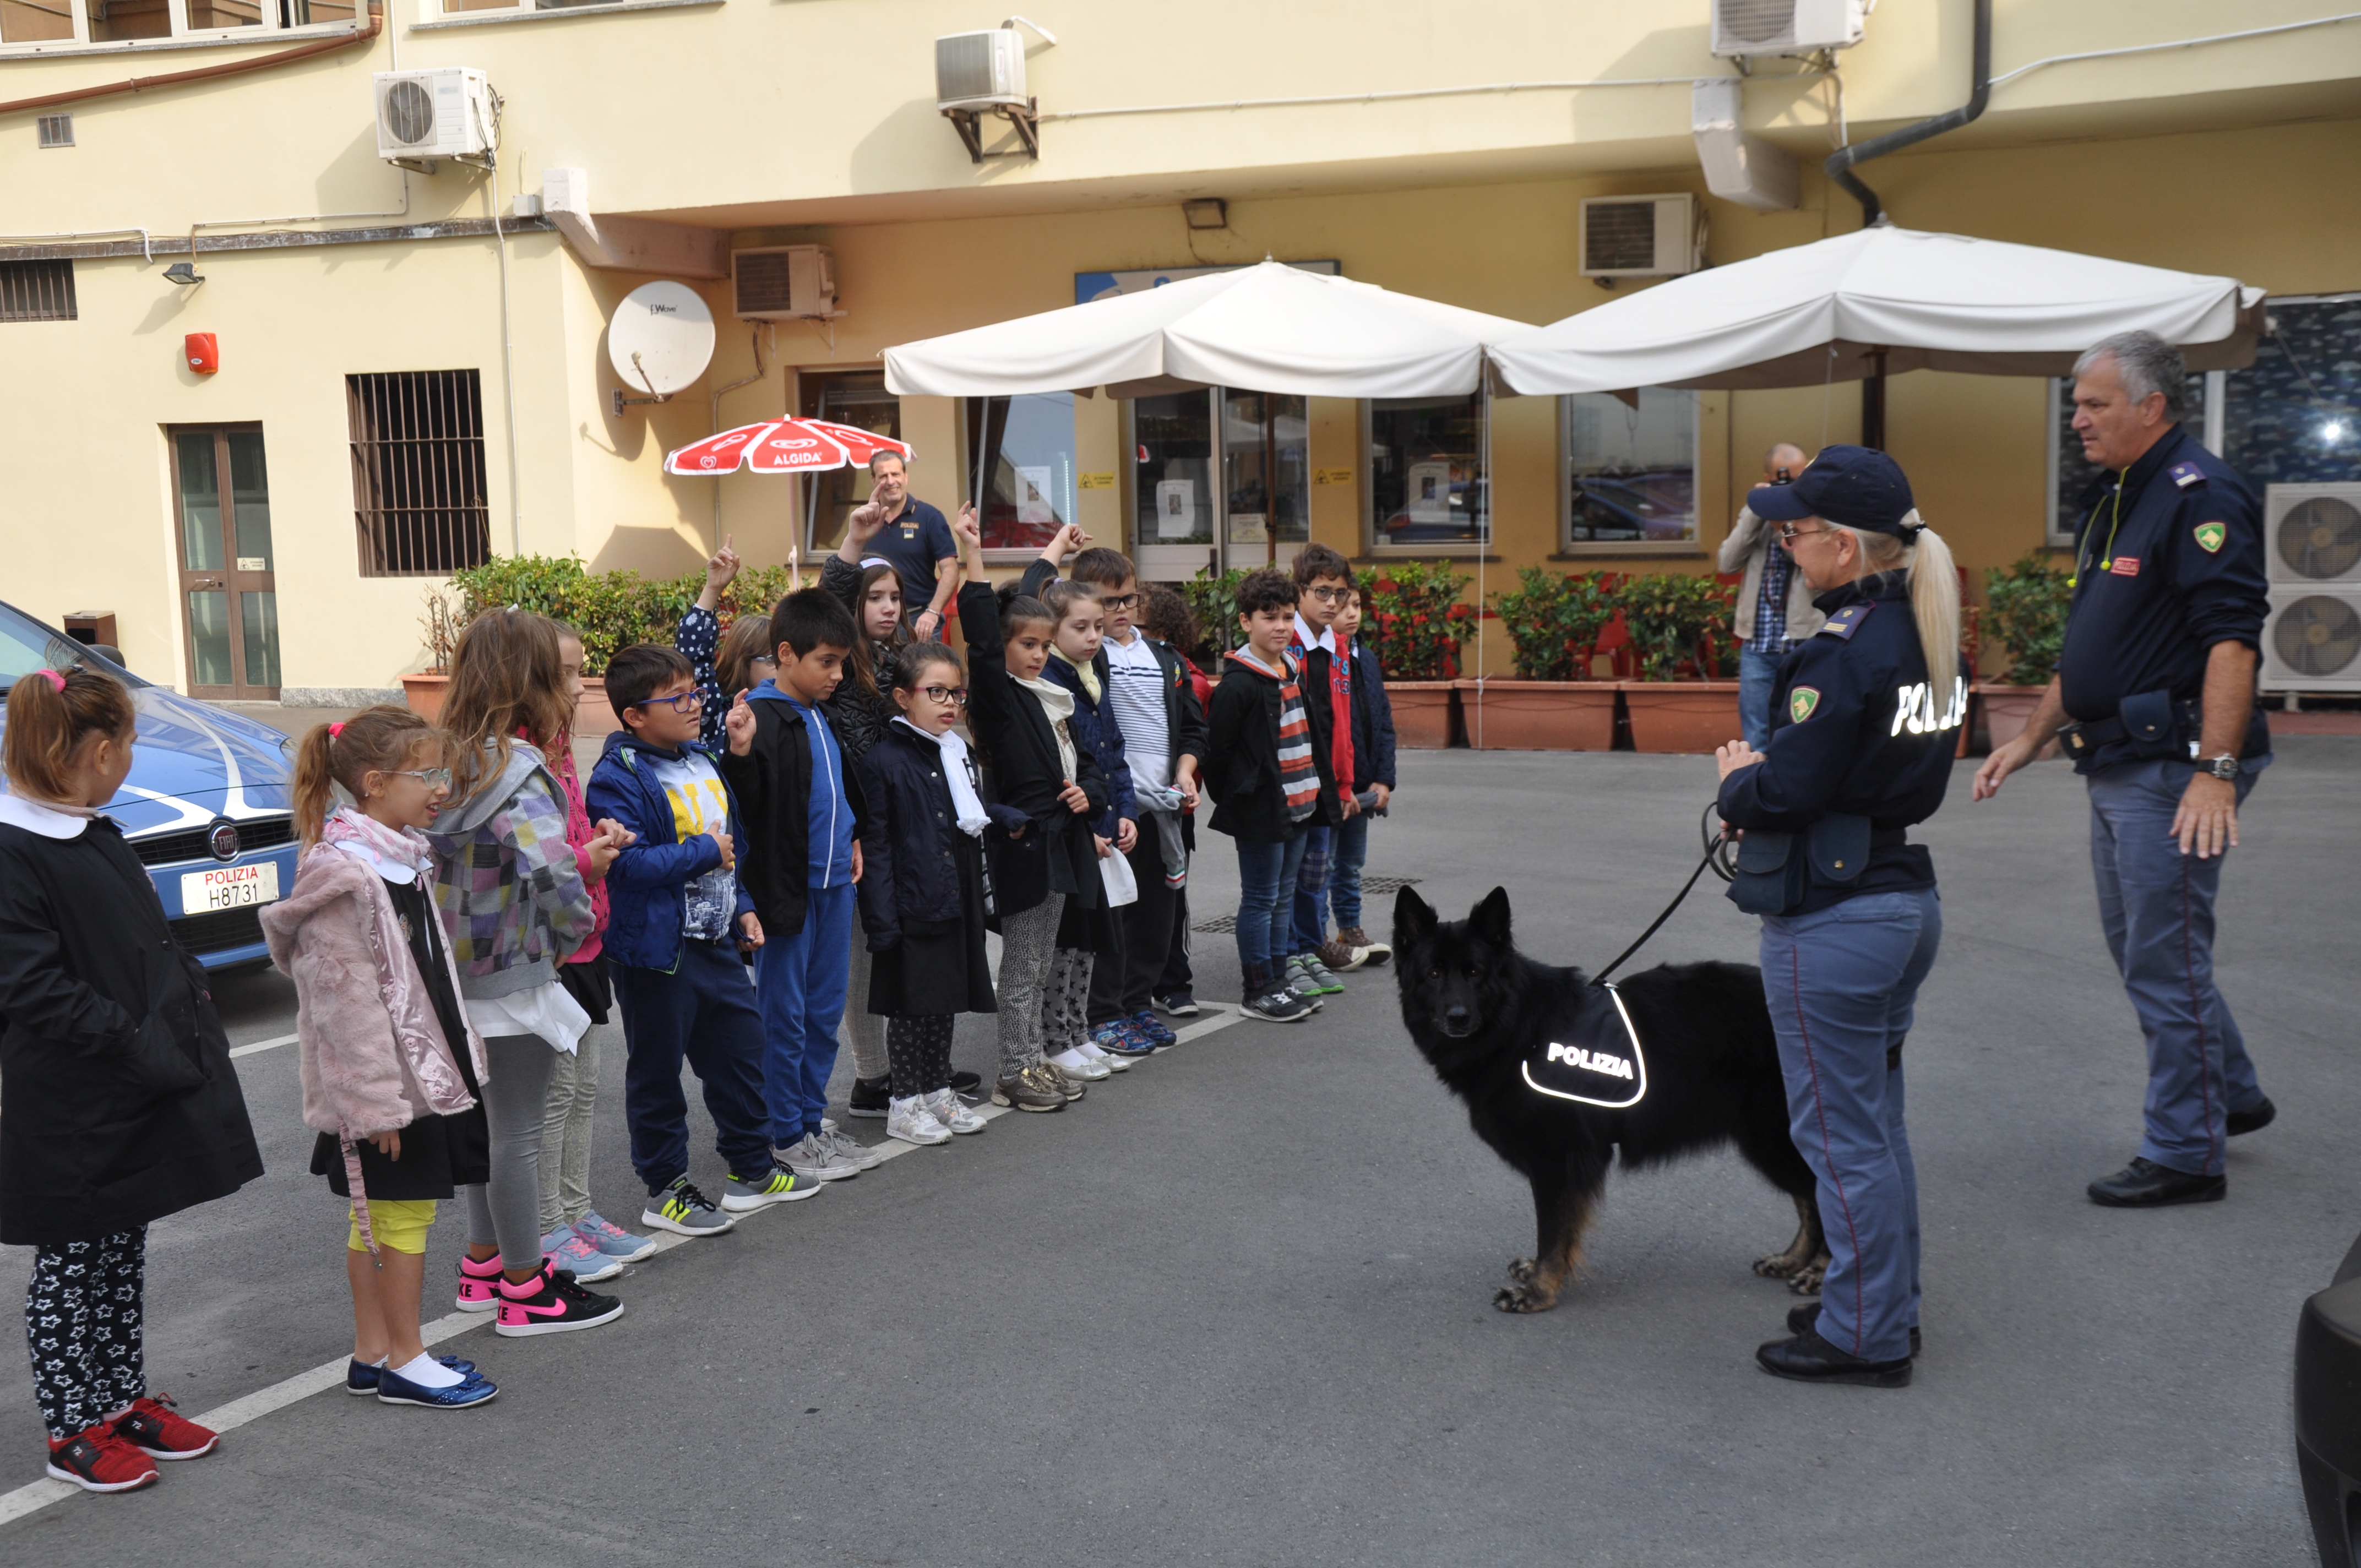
column 2143, row 1184
column 2253, row 1119
column 966, row 1083
column 870, row 1097
column 1808, row 1316
column 1809, row 1358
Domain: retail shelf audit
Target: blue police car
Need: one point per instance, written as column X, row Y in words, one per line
column 207, row 806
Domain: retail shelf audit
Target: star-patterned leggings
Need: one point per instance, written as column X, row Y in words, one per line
column 83, row 1326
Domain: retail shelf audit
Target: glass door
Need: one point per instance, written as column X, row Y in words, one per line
column 1173, row 503
column 1266, row 478
column 230, row 594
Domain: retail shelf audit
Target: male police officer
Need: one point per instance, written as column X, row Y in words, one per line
column 2154, row 698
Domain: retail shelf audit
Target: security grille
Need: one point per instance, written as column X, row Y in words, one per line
column 37, row 291
column 417, row 472
column 54, row 130
column 763, row 282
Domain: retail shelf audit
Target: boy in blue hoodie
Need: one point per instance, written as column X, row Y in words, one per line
column 803, row 811
column 679, row 921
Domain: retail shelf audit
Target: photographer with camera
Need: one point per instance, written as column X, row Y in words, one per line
column 1774, row 604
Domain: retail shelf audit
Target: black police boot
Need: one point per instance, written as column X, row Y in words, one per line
column 2143, row 1184
column 2254, row 1118
column 1809, row 1358
column 1808, row 1316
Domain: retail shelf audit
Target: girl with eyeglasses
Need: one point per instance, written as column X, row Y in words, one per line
column 925, row 893
column 392, row 1072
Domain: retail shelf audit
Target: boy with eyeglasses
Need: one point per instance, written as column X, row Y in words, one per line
column 1324, row 581
column 678, row 920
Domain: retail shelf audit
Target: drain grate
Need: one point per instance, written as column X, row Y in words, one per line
column 1371, row 887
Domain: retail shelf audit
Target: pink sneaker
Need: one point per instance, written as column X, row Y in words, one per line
column 478, row 1284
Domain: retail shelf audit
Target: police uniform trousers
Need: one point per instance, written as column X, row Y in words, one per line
column 2157, row 906
column 1842, row 982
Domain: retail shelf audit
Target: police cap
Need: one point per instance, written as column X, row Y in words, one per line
column 1851, row 485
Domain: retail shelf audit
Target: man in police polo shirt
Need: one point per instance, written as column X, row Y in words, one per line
column 2154, row 699
column 914, row 538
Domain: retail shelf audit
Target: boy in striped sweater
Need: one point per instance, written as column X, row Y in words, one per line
column 1267, row 772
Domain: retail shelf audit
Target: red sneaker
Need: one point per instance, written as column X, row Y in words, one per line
column 96, row 1460
column 154, row 1427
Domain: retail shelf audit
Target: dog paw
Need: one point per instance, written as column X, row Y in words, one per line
column 1777, row 1265
column 1806, row 1281
column 1524, row 1299
column 1522, row 1269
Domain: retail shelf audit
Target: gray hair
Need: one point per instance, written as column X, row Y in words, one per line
column 2148, row 364
column 882, row 453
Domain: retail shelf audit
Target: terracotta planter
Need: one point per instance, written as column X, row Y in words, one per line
column 1681, row 716
column 593, row 719
column 423, row 693
column 1426, row 713
column 2007, row 710
column 1538, row 716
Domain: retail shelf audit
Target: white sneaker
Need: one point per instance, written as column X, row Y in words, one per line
column 949, row 1111
column 1105, row 1058
column 1082, row 1067
column 852, row 1149
column 814, row 1157
column 911, row 1121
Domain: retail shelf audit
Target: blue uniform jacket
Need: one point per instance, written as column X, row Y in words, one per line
column 647, row 887
column 2179, row 572
column 1854, row 729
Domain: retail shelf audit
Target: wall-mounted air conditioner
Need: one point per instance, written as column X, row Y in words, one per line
column 448, row 112
column 2312, row 640
column 1785, row 27
column 2312, row 534
column 1639, row 236
column 787, row 283
column 978, row 72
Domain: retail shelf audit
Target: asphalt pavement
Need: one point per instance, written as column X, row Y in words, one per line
column 1233, row 1308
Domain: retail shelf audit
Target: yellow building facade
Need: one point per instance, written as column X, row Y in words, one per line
column 412, row 368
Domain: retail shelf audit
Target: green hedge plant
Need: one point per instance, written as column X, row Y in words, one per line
column 1671, row 617
column 1413, row 610
column 2025, row 608
column 611, row 610
column 1553, row 622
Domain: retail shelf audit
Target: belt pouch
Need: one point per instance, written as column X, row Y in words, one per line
column 2150, row 725
column 1837, row 848
column 1770, row 877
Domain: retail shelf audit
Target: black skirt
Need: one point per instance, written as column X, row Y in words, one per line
column 940, row 967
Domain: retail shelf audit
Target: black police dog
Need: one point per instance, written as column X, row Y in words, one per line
column 1476, row 1008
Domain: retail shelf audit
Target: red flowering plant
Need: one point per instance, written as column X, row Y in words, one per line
column 1412, row 609
column 1554, row 623
column 1679, row 625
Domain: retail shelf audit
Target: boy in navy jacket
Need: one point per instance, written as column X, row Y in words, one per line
column 679, row 921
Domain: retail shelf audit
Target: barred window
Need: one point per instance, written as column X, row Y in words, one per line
column 36, row 291
column 417, row 472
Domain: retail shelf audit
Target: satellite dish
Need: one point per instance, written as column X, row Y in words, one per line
column 661, row 339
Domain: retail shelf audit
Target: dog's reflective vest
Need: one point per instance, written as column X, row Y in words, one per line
column 1590, row 1075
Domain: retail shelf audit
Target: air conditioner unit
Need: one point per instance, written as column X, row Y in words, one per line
column 2312, row 534
column 1785, row 27
column 977, row 72
column 448, row 112
column 786, row 282
column 2312, row 640
column 1639, row 236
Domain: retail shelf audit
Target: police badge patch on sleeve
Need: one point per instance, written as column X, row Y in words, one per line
column 1801, row 702
column 1613, row 1075
column 2210, row 536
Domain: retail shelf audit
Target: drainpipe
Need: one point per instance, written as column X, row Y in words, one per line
column 1840, row 163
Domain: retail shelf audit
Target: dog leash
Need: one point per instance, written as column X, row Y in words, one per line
column 1716, row 846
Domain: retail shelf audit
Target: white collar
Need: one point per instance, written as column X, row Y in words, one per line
column 391, row 870
column 1326, row 640
column 35, row 817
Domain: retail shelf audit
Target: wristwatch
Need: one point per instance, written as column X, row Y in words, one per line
column 2224, row 767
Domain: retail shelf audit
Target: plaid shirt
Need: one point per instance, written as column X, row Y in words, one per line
column 1771, row 601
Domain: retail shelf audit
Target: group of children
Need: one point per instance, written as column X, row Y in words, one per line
column 742, row 875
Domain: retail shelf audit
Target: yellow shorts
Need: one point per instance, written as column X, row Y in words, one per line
column 400, row 1224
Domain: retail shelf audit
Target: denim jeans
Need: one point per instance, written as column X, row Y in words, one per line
column 1349, row 849
column 1307, row 923
column 1758, row 686
column 1267, row 874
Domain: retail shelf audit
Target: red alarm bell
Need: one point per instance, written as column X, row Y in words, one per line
column 204, row 353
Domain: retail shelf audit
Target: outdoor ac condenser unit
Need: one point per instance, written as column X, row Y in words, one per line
column 2312, row 534
column 448, row 112
column 2312, row 640
column 1638, row 236
column 788, row 283
column 978, row 72
column 1785, row 27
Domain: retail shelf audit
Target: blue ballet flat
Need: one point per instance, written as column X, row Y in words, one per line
column 393, row 1388
column 361, row 1378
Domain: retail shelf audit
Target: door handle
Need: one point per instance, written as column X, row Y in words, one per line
column 205, row 582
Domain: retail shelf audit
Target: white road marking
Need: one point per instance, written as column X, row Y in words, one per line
column 328, row 1375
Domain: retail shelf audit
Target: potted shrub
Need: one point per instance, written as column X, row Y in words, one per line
column 1412, row 609
column 1552, row 704
column 1679, row 626
column 2025, row 611
column 440, row 623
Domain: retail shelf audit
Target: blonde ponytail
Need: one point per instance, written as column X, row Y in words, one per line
column 1935, row 605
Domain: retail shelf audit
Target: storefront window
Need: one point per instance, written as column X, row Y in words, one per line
column 859, row 400
column 1631, row 470
column 1427, row 483
column 1266, row 478
column 1024, row 478
column 2294, row 415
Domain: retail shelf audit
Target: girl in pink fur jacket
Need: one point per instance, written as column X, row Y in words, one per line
column 392, row 1073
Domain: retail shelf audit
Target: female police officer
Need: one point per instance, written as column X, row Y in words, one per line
column 1864, row 727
